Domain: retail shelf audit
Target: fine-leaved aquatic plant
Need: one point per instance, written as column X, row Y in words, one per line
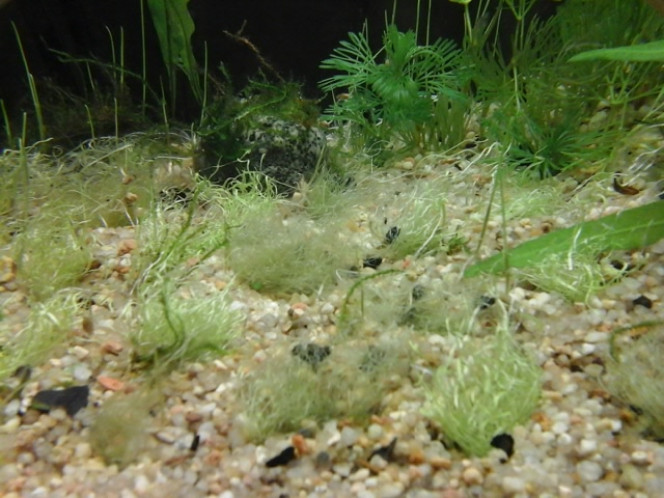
column 46, row 327
column 286, row 392
column 481, row 391
column 392, row 93
column 634, row 371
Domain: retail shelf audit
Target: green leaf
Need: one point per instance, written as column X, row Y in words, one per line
column 645, row 52
column 631, row 229
column 174, row 28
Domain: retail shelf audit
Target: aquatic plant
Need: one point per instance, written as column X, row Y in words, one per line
column 177, row 326
column 392, row 93
column 119, row 431
column 349, row 382
column 482, row 390
column 48, row 325
column 633, row 372
column 630, row 229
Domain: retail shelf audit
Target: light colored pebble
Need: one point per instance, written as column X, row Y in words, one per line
column 82, row 373
column 375, row 432
column 472, row 476
column 589, row 471
column 587, row 447
column 349, row 436
column 392, row 490
column 640, row 457
column 512, row 485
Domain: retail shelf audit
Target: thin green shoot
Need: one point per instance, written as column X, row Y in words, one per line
column 8, row 125
column 33, row 87
column 91, row 122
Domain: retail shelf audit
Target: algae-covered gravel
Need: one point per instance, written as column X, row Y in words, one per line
column 238, row 344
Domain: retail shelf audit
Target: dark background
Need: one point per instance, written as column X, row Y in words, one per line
column 293, row 36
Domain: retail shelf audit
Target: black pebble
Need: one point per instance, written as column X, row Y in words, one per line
column 643, row 301
column 72, row 399
column 392, row 234
column 486, row 302
column 417, row 292
column 283, row 458
column 372, row 262
column 311, row 353
column 194, row 443
column 385, row 452
column 504, row 442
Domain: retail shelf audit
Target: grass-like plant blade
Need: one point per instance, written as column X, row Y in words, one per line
column 644, row 52
column 630, row 229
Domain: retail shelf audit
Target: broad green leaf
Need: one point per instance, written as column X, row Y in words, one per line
column 645, row 52
column 175, row 27
column 631, row 229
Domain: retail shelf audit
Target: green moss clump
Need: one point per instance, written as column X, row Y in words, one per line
column 483, row 390
column 351, row 382
column 635, row 370
column 46, row 327
column 177, row 328
column 274, row 253
column 50, row 255
column 119, row 432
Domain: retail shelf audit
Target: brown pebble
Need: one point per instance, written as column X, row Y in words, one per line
column 87, row 324
column 543, row 420
column 300, row 445
column 440, row 463
column 129, row 198
column 110, row 384
column 121, row 269
column 193, row 417
column 416, row 456
column 112, row 347
column 126, row 246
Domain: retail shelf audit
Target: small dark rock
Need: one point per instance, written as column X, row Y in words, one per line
column 643, row 301
column 311, row 353
column 283, row 458
column 372, row 262
column 417, row 292
column 385, row 452
column 392, row 234
column 504, row 442
column 487, row 302
column 194, row 443
column 72, row 399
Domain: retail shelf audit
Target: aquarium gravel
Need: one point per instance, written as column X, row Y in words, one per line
column 322, row 391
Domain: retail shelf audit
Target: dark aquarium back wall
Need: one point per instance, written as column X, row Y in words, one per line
column 292, row 35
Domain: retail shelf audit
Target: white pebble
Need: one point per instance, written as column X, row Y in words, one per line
column 589, row 471
column 595, row 336
column 141, row 484
column 349, row 436
column 512, row 485
column 392, row 490
column 640, row 457
column 560, row 427
column 587, row 447
column 80, row 352
column 82, row 373
column 375, row 432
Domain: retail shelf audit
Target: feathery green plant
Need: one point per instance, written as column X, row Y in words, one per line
column 392, row 92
